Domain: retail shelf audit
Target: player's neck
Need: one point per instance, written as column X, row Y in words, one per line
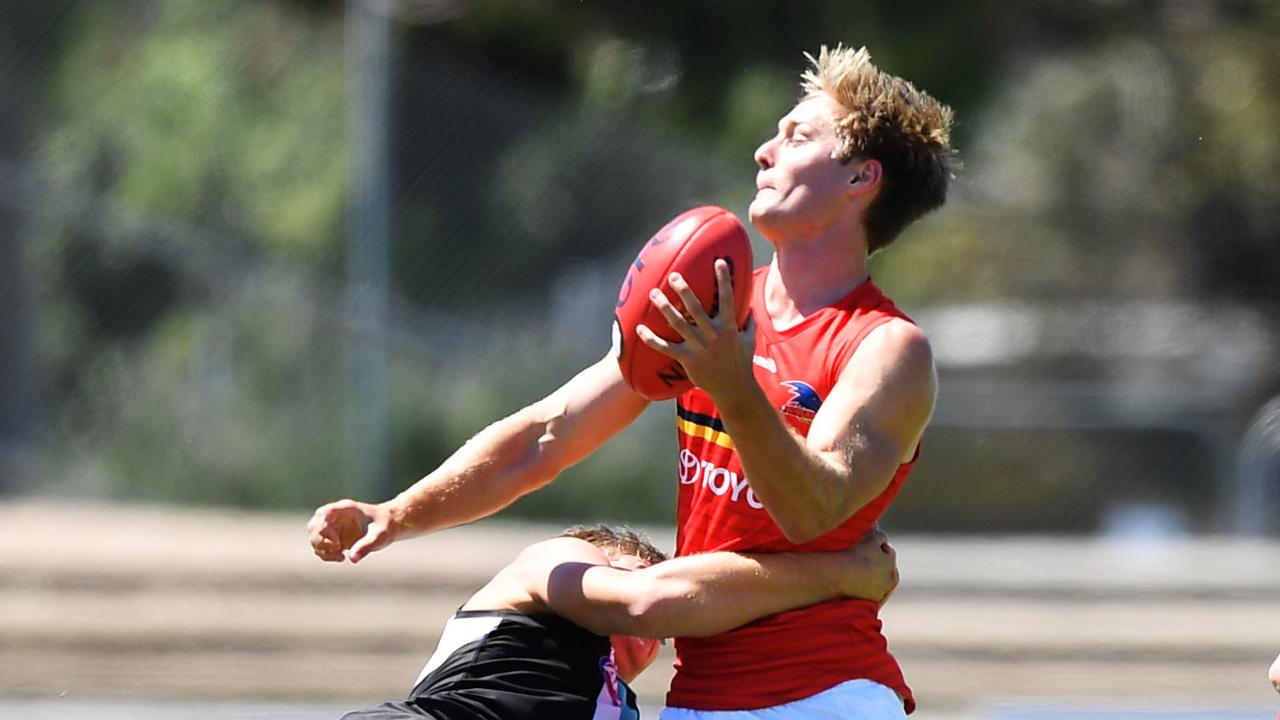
column 805, row 278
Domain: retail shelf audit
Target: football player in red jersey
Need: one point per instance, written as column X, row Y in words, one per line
column 798, row 444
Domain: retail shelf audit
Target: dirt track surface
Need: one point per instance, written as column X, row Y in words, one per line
column 100, row 601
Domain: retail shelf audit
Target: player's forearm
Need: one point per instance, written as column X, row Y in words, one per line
column 493, row 469
column 707, row 594
column 524, row 451
column 805, row 493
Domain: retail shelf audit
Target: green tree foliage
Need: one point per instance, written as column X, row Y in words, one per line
column 190, row 264
column 192, row 146
column 230, row 114
column 29, row 36
column 1140, row 163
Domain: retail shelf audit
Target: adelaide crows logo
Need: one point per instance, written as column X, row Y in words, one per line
column 803, row 403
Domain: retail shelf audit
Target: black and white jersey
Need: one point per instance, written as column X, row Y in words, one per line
column 506, row 665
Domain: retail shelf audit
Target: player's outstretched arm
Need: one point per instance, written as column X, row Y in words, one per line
column 509, row 458
column 704, row 594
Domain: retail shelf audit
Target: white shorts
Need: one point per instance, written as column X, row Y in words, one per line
column 850, row 700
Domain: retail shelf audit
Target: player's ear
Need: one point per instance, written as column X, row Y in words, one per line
column 864, row 175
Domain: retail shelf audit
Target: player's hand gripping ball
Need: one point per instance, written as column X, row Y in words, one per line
column 689, row 244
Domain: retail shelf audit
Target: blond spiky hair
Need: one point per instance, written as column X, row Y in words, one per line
column 875, row 100
column 886, row 119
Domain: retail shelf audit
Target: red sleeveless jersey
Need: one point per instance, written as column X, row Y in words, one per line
column 795, row 654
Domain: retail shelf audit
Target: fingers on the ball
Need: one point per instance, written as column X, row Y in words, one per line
column 648, row 338
column 654, row 341
column 660, row 299
column 670, row 313
column 724, row 286
column 692, row 306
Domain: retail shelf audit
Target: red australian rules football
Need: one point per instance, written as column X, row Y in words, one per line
column 689, row 244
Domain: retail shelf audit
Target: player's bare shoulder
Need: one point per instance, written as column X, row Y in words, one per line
column 551, row 552
column 522, row 584
column 888, row 388
column 896, row 352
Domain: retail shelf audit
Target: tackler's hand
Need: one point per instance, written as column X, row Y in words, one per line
column 712, row 351
column 873, row 568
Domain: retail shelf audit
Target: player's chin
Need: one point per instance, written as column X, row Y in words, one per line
column 764, row 212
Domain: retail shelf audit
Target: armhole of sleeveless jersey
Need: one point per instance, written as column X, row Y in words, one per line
column 848, row 350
